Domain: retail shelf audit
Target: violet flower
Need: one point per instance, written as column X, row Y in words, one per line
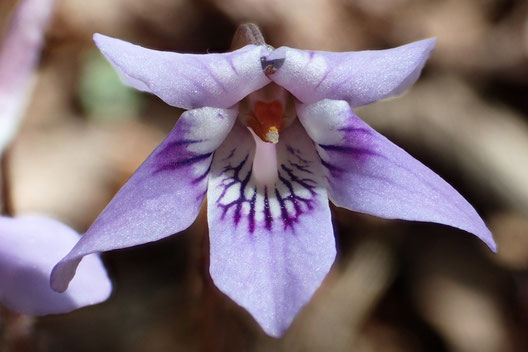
column 269, row 136
column 19, row 53
column 29, row 247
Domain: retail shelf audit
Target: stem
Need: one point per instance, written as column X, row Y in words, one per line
column 247, row 33
column 206, row 304
column 6, row 204
column 210, row 328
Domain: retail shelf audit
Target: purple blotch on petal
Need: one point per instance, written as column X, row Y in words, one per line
column 164, row 195
column 384, row 180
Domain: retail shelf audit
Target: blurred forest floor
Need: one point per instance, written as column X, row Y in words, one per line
column 395, row 286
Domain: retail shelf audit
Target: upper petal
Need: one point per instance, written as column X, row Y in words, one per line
column 163, row 196
column 369, row 174
column 271, row 246
column 29, row 247
column 19, row 53
column 187, row 81
column 359, row 77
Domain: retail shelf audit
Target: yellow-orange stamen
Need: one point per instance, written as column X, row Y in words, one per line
column 267, row 120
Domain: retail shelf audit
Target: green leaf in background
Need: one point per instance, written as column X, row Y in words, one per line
column 102, row 94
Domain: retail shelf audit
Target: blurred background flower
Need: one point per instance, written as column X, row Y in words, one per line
column 20, row 47
column 395, row 286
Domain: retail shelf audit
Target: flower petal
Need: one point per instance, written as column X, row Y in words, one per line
column 187, row 81
column 359, row 77
column 29, row 247
column 270, row 246
column 163, row 196
column 369, row 174
column 19, row 53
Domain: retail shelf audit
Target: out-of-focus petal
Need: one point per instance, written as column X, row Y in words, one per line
column 270, row 247
column 359, row 77
column 187, row 81
column 368, row 173
column 163, row 196
column 29, row 247
column 19, row 53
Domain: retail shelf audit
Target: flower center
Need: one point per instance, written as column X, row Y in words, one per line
column 266, row 112
column 267, row 120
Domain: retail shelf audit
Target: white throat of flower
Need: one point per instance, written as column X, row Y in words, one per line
column 265, row 161
column 266, row 113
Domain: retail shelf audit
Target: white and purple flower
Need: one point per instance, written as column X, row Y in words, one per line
column 269, row 136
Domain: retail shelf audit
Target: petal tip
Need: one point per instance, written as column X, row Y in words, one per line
column 427, row 44
column 486, row 236
column 106, row 44
column 61, row 275
column 491, row 244
column 431, row 41
column 273, row 331
column 102, row 40
column 430, row 44
column 97, row 37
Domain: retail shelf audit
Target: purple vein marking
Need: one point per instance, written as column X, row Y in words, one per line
column 355, row 129
column 304, row 182
column 322, row 79
column 232, row 180
column 300, row 167
column 310, row 58
column 363, row 154
column 268, row 218
column 297, row 153
column 171, row 165
column 213, row 76
column 237, row 203
column 204, row 175
column 231, row 153
column 181, row 142
column 348, row 150
column 284, row 193
column 230, row 60
column 335, row 171
column 289, row 220
column 251, row 214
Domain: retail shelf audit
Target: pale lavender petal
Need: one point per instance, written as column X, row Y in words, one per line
column 29, row 247
column 270, row 246
column 187, row 81
column 359, row 77
column 369, row 174
column 19, row 53
column 163, row 196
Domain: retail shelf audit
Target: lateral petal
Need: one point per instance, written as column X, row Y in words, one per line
column 187, row 81
column 29, row 247
column 271, row 246
column 162, row 197
column 359, row 77
column 369, row 174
